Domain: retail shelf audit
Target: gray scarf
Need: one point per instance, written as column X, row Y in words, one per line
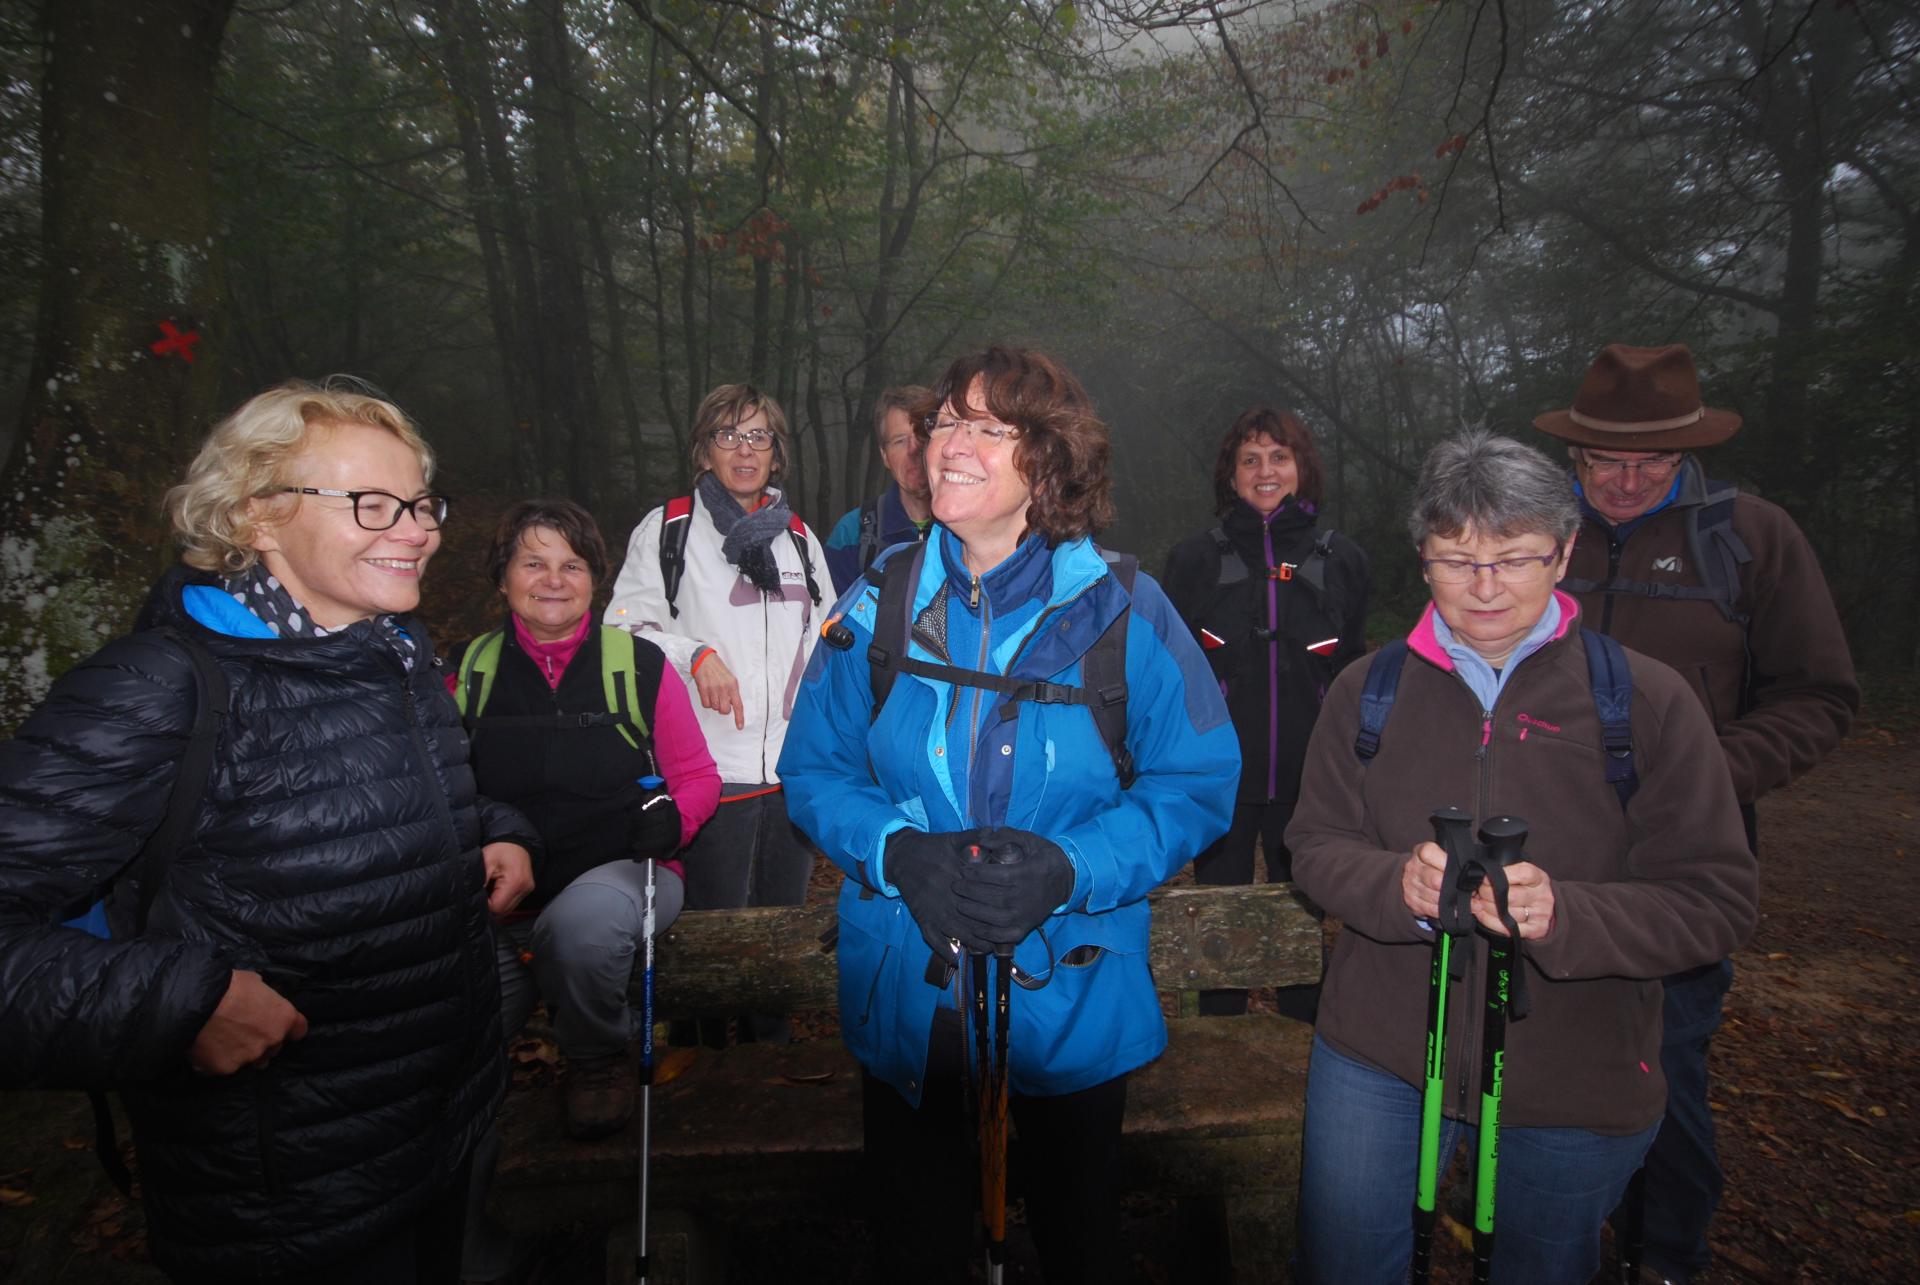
column 747, row 538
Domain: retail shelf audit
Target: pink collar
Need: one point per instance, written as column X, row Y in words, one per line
column 1428, row 648
column 552, row 658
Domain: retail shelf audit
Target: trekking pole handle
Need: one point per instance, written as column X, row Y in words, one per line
column 1505, row 838
column 1007, row 854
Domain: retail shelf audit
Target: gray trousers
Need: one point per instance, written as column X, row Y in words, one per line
column 579, row 955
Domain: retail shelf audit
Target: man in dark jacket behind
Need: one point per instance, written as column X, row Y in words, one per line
column 1723, row 587
column 900, row 514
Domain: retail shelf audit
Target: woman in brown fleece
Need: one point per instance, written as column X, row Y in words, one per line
column 1495, row 713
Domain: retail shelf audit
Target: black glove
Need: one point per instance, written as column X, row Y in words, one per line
column 653, row 825
column 1013, row 890
column 924, row 867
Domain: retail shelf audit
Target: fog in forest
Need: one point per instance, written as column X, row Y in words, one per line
column 547, row 227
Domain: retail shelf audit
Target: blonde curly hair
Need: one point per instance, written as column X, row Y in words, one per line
column 249, row 456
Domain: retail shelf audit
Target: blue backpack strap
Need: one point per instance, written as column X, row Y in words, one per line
column 1376, row 698
column 673, row 547
column 1612, row 683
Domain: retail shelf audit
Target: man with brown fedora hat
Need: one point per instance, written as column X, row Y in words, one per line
column 1724, row 588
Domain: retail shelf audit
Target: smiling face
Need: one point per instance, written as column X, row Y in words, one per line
column 339, row 571
column 1626, row 483
column 547, row 584
column 1264, row 473
column 978, row 491
column 744, row 471
column 1491, row 613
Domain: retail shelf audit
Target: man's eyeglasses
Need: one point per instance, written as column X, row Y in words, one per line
column 757, row 438
column 1512, row 570
column 1654, row 468
column 379, row 511
column 992, row 432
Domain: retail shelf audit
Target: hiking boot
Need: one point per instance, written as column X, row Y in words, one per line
column 598, row 1095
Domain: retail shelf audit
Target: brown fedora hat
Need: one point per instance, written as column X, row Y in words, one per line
column 1640, row 399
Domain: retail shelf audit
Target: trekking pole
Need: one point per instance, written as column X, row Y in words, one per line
column 993, row 1116
column 641, row 1266
column 1503, row 837
column 1452, row 830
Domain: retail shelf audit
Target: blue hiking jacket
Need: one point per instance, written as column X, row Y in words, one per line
column 852, row 780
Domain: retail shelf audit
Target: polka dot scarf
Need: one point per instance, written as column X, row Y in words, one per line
column 260, row 592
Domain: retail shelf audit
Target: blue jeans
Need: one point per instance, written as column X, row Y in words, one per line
column 1684, row 1180
column 1362, row 1154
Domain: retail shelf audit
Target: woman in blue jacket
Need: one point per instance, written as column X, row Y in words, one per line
column 1008, row 585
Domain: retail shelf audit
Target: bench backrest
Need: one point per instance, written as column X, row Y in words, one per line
column 714, row 963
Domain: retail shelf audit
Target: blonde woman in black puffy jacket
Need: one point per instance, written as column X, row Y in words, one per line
column 307, row 1032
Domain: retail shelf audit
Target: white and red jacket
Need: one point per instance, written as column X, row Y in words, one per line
column 764, row 639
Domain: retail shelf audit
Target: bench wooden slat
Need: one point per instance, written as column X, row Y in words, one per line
column 1203, row 939
column 1219, row 1111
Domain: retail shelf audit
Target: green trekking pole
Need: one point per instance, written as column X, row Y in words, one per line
column 1452, row 830
column 1503, row 838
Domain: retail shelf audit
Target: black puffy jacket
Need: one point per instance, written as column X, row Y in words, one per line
column 336, row 852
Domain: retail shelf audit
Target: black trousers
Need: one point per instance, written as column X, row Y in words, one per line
column 922, row 1168
column 1229, row 861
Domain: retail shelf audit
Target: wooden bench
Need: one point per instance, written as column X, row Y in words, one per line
column 1214, row 1122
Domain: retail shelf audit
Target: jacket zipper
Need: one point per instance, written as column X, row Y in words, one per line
column 1273, row 669
column 766, row 701
column 1614, row 550
column 973, row 716
column 442, row 806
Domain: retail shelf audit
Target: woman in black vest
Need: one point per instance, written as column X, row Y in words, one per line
column 1279, row 608
column 567, row 729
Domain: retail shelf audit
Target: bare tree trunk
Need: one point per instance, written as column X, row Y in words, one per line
column 127, row 253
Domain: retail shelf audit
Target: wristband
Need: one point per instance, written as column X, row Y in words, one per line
column 700, row 660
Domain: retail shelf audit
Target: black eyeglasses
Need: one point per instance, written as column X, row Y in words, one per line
column 380, row 511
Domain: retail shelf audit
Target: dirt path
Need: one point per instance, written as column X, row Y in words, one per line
column 1817, row 1070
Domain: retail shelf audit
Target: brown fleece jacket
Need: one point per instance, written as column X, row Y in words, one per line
column 1800, row 695
column 1664, row 886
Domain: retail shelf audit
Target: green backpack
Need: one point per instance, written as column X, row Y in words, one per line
column 619, row 679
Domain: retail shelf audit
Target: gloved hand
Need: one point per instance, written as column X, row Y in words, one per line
column 925, row 867
column 1013, row 890
column 653, row 825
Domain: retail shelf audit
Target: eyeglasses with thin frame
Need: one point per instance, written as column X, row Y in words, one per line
column 757, row 438
column 1519, row 570
column 1654, row 468
column 992, row 432
column 381, row 510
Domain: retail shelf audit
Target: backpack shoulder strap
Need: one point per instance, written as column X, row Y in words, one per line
column 1612, row 682
column 478, row 666
column 674, row 525
column 869, row 532
column 628, row 697
column 149, row 866
column 1376, row 698
column 147, row 870
column 798, row 530
column 1313, row 569
column 1717, row 549
column 1103, row 673
column 1233, row 567
column 896, row 580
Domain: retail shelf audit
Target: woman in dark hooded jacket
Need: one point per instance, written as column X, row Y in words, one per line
column 306, row 1032
column 1280, row 607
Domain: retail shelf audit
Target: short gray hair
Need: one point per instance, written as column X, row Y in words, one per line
column 1494, row 485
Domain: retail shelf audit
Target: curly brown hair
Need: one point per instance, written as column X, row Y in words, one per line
column 565, row 518
column 1063, row 448
column 1286, row 430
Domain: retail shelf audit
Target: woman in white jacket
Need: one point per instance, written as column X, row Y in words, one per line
column 737, row 627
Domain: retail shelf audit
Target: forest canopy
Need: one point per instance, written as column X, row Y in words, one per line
column 546, row 227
